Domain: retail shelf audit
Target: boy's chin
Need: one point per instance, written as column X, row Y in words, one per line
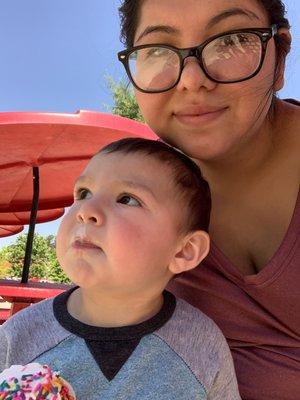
column 79, row 271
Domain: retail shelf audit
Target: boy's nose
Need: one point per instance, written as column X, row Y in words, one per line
column 193, row 78
column 90, row 213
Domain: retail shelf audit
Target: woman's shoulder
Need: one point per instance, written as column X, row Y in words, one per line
column 288, row 110
column 293, row 101
column 292, row 122
column 287, row 126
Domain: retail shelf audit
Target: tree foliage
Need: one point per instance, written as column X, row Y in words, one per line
column 56, row 273
column 125, row 104
column 39, row 258
column 44, row 264
column 4, row 264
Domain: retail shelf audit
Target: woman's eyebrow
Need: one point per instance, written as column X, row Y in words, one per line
column 215, row 20
column 230, row 13
column 158, row 28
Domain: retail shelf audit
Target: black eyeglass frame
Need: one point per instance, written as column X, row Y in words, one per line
column 265, row 34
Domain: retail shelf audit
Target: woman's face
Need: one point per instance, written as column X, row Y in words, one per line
column 206, row 120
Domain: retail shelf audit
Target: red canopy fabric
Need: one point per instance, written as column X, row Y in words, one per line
column 60, row 145
column 6, row 230
column 23, row 218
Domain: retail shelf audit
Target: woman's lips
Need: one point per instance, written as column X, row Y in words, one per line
column 194, row 116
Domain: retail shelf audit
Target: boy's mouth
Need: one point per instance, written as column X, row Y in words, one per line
column 84, row 243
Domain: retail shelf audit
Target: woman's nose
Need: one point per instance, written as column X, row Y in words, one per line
column 193, row 78
column 90, row 212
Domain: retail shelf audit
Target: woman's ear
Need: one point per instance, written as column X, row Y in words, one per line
column 193, row 248
column 279, row 76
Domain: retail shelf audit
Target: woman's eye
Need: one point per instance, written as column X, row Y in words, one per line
column 157, row 52
column 128, row 200
column 229, row 41
column 81, row 194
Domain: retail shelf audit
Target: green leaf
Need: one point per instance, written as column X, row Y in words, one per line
column 125, row 104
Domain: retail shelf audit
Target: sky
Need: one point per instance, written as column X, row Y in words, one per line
column 56, row 54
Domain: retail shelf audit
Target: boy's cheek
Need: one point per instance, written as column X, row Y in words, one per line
column 63, row 238
column 65, row 228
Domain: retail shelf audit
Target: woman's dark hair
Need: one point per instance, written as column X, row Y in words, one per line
column 193, row 191
column 130, row 9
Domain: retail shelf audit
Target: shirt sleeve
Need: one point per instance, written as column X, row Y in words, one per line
column 225, row 385
column 4, row 349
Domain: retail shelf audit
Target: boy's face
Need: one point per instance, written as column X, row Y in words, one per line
column 122, row 230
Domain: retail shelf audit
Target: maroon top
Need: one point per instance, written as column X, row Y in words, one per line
column 259, row 315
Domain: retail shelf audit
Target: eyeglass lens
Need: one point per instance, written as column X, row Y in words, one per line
column 228, row 58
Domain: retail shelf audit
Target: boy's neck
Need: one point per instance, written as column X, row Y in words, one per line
column 112, row 312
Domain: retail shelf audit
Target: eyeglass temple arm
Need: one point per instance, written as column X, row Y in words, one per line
column 274, row 29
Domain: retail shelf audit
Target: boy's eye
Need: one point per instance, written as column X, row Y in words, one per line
column 81, row 193
column 128, row 200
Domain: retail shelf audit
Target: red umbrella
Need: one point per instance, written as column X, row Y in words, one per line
column 59, row 146
column 51, row 150
column 23, row 217
column 9, row 230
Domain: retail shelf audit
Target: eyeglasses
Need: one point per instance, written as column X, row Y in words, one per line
column 229, row 57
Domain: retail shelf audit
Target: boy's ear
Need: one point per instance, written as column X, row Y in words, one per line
column 193, row 248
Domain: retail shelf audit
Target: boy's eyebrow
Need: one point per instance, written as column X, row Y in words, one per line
column 139, row 186
column 81, row 180
column 215, row 20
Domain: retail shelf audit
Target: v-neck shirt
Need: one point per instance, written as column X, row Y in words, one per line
column 259, row 315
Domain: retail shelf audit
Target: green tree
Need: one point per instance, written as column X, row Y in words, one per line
column 4, row 264
column 39, row 259
column 125, row 104
column 44, row 264
column 3, row 254
column 56, row 273
column 51, row 239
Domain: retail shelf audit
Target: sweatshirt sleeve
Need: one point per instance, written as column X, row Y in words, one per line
column 225, row 385
column 4, row 349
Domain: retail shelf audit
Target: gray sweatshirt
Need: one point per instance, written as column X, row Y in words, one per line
column 179, row 354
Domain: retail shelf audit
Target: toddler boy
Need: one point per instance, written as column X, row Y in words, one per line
column 140, row 217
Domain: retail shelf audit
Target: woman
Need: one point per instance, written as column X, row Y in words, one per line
column 215, row 100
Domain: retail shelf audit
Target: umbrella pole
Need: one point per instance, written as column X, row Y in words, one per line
column 30, row 236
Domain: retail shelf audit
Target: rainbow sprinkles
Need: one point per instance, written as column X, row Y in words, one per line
column 34, row 382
